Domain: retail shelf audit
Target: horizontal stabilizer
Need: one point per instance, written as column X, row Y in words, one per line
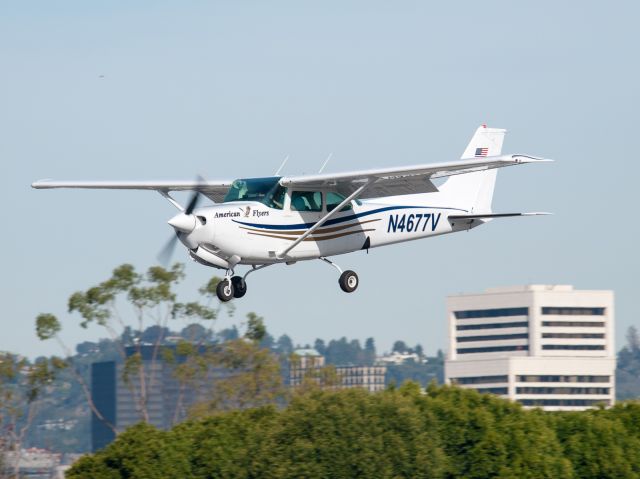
column 495, row 215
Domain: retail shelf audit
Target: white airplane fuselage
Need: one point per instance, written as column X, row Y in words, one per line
column 256, row 233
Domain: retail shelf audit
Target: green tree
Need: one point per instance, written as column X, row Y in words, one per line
column 22, row 384
column 151, row 303
column 397, row 433
column 251, row 375
column 284, row 345
column 369, row 351
column 320, row 346
column 140, row 452
column 599, row 445
column 256, row 330
column 419, row 350
column 400, row 347
column 628, row 367
column 633, row 339
column 342, row 352
column 486, row 436
column 229, row 334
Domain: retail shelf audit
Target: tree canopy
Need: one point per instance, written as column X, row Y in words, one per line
column 446, row 432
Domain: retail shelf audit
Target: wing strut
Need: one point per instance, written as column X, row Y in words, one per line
column 325, row 218
column 170, row 199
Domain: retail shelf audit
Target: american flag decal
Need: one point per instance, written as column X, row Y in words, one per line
column 482, row 151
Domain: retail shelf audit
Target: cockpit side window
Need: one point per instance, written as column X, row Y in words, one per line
column 306, row 201
column 267, row 191
column 334, row 199
column 277, row 199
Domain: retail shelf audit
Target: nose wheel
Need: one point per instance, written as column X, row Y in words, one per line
column 229, row 288
column 224, row 290
column 239, row 286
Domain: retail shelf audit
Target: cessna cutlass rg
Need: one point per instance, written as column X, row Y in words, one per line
column 265, row 221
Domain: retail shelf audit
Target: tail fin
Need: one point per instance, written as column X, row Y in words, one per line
column 474, row 191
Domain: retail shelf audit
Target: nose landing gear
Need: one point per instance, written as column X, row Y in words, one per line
column 239, row 286
column 235, row 286
column 224, row 290
column 231, row 287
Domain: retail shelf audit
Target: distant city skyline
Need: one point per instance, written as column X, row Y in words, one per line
column 167, row 90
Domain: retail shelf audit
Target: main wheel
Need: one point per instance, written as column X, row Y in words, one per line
column 224, row 290
column 348, row 281
column 239, row 286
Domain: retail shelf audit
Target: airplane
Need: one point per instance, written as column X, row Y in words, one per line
column 264, row 221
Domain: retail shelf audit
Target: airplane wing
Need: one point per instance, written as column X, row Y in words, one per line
column 381, row 182
column 403, row 180
column 215, row 190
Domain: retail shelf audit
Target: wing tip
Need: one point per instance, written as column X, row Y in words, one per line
column 531, row 159
column 40, row 184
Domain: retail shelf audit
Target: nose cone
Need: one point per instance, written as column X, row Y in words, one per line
column 183, row 223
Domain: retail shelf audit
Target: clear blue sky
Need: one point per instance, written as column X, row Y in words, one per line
column 165, row 90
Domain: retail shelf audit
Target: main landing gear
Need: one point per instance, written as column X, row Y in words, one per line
column 236, row 286
column 348, row 280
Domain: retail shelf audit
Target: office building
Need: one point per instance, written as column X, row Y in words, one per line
column 303, row 364
column 548, row 346
column 370, row 378
column 308, row 363
column 167, row 399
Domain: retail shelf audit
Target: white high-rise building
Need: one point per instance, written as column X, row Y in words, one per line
column 548, row 346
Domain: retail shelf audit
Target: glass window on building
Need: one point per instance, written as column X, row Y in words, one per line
column 562, row 379
column 573, row 311
column 491, row 313
column 480, row 379
column 494, row 349
column 574, row 324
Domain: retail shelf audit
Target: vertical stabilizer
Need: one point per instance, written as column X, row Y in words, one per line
column 485, row 142
column 474, row 191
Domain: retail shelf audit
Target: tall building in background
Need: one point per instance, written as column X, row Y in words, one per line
column 168, row 401
column 548, row 346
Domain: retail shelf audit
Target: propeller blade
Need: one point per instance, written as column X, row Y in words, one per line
column 164, row 257
column 193, row 202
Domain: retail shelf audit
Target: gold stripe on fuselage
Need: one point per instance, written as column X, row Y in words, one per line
column 312, row 237
column 321, row 230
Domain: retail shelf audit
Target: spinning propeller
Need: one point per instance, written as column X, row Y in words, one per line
column 183, row 224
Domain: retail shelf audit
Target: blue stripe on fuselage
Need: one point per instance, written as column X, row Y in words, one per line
column 335, row 221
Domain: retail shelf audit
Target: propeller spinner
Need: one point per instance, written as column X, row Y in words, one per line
column 183, row 224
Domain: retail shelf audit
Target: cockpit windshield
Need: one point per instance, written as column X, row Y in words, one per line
column 264, row 190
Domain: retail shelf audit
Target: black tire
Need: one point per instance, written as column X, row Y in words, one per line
column 348, row 281
column 224, row 291
column 239, row 286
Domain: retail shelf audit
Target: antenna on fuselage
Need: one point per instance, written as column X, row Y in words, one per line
column 284, row 162
column 325, row 163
